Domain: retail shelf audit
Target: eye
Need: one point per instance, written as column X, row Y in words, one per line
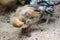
column 37, row 10
column 31, row 17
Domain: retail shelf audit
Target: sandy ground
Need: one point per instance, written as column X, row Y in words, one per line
column 49, row 31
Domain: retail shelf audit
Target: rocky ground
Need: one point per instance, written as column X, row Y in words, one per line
column 49, row 31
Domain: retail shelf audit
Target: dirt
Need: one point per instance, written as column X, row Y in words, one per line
column 42, row 31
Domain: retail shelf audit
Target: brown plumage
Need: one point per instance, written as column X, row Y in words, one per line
column 8, row 2
column 26, row 15
column 7, row 5
column 17, row 23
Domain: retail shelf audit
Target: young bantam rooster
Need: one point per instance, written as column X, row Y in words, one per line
column 26, row 15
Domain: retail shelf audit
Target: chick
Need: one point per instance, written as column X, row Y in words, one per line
column 8, row 2
column 7, row 5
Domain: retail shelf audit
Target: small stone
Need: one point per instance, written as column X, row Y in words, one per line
column 36, row 38
column 3, row 36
